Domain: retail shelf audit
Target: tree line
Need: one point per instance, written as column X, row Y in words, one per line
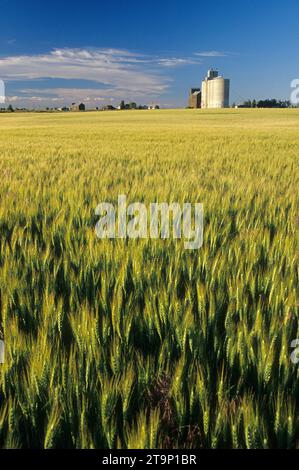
column 268, row 103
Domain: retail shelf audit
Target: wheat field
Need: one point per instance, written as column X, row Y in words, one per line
column 141, row 343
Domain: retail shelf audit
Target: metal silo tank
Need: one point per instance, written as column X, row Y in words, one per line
column 219, row 93
column 204, row 94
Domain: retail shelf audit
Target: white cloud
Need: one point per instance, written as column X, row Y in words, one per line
column 92, row 96
column 2, row 92
column 175, row 61
column 115, row 68
column 211, row 54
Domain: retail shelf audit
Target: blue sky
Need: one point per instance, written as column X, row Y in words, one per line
column 53, row 53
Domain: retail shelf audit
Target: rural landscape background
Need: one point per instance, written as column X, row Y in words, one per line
column 141, row 343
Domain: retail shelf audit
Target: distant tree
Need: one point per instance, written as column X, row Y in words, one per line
column 247, row 104
column 273, row 103
column 268, row 103
column 10, row 108
column 285, row 104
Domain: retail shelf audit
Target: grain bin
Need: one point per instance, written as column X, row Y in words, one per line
column 215, row 91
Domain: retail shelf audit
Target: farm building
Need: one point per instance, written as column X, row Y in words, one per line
column 78, row 107
column 194, row 98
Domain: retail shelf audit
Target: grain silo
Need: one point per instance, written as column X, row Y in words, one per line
column 215, row 91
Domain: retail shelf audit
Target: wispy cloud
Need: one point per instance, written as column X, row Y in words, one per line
column 107, row 66
column 211, row 54
column 175, row 61
column 123, row 73
column 88, row 95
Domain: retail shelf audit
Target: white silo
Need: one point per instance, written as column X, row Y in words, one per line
column 204, row 94
column 215, row 91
